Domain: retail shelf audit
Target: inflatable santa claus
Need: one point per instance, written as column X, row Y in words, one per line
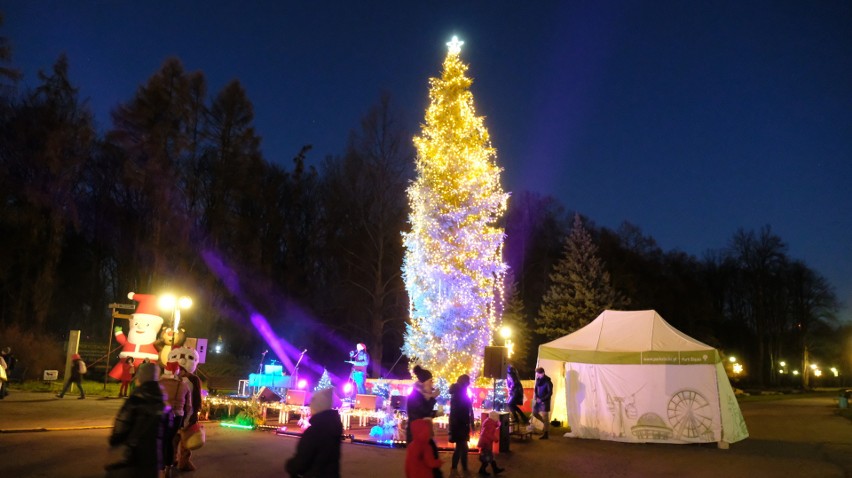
column 145, row 324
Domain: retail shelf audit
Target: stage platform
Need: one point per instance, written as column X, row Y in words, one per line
column 357, row 433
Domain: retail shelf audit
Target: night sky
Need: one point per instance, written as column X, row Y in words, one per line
column 689, row 119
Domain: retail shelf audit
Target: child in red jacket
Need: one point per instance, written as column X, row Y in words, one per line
column 487, row 436
column 421, row 455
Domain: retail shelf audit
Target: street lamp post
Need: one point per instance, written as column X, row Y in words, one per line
column 115, row 315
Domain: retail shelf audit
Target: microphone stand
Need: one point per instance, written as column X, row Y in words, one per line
column 294, row 377
column 262, row 357
column 392, row 366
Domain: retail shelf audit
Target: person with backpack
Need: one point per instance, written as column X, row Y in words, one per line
column 78, row 369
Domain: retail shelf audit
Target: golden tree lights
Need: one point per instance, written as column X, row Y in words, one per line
column 453, row 265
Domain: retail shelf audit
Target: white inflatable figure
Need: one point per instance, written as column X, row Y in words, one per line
column 145, row 324
column 186, row 357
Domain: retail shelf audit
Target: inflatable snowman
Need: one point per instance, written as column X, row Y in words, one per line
column 139, row 342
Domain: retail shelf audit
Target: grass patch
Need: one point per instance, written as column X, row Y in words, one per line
column 91, row 387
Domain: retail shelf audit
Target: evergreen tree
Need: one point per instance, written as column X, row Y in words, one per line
column 453, row 264
column 580, row 287
column 517, row 321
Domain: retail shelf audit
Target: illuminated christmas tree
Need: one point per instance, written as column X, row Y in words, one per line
column 453, row 267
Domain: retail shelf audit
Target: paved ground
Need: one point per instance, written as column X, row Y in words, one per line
column 797, row 437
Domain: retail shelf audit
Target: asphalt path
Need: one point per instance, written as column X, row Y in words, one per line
column 41, row 436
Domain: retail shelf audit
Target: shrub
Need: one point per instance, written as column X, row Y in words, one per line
column 33, row 351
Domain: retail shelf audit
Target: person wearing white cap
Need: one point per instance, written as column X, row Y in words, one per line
column 318, row 451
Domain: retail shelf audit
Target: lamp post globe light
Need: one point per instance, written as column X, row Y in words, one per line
column 506, row 334
column 169, row 302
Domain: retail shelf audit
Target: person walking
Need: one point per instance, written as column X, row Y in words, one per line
column 541, row 407
column 460, row 424
column 318, row 452
column 137, row 435
column 487, row 437
column 4, row 376
column 127, row 371
column 7, row 360
column 516, row 396
column 78, row 369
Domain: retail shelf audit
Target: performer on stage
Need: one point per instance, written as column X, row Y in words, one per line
column 359, row 359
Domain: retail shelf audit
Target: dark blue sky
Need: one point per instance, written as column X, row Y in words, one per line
column 688, row 119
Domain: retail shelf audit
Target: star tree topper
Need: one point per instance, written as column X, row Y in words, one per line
column 455, row 45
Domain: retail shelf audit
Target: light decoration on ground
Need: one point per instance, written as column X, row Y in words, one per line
column 235, row 425
column 453, row 267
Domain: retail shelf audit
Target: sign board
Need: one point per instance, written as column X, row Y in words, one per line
column 122, row 306
column 50, row 375
column 200, row 346
column 116, row 315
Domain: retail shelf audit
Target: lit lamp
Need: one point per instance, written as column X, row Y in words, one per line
column 506, row 334
column 170, row 302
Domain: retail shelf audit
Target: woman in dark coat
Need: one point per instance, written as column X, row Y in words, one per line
column 461, row 422
column 421, row 404
column 422, row 400
column 516, row 396
column 318, row 452
column 138, row 430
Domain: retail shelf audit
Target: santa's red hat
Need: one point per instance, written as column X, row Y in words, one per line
column 147, row 303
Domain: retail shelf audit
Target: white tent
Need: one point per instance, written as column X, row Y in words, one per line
column 630, row 376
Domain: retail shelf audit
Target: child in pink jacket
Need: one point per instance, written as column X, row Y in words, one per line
column 487, row 436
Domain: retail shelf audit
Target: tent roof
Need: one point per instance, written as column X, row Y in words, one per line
column 636, row 337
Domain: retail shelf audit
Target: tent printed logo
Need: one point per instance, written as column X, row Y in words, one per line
column 690, row 415
column 651, row 426
column 621, row 408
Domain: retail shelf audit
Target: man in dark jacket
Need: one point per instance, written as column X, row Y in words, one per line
column 516, row 396
column 318, row 452
column 460, row 423
column 138, row 429
column 543, row 393
column 78, row 368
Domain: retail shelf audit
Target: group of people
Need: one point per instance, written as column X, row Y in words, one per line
column 146, row 440
column 318, row 451
column 541, row 405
